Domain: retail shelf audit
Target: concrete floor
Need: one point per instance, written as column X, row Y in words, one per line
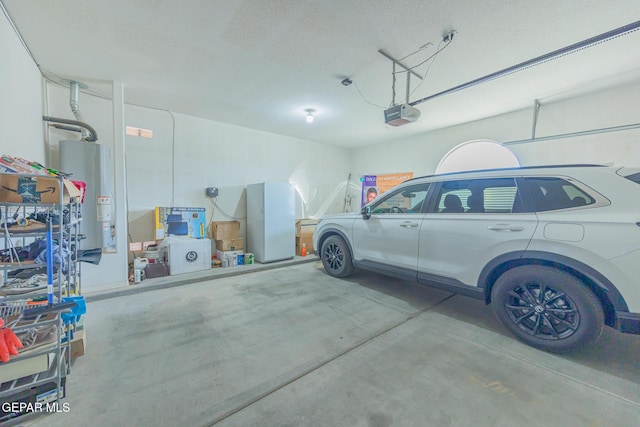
column 293, row 346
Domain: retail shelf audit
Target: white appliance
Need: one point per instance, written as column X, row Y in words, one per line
column 185, row 255
column 401, row 115
column 91, row 162
column 271, row 221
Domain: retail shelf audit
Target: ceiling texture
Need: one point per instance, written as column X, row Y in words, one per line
column 262, row 63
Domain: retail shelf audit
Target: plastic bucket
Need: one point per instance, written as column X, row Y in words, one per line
column 153, row 254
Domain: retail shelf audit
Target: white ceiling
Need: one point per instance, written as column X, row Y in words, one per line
column 261, row 63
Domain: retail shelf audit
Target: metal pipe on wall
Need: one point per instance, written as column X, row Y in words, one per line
column 536, row 111
column 93, row 136
column 74, row 91
column 575, row 134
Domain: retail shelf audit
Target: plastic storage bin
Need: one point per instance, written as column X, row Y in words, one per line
column 70, row 318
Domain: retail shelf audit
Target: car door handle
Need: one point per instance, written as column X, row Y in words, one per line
column 409, row 224
column 504, row 227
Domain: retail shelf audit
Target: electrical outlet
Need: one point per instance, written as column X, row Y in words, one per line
column 211, row 192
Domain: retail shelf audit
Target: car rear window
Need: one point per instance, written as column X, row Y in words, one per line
column 632, row 174
column 552, row 193
column 635, row 177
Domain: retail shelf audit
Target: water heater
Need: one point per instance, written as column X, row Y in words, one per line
column 90, row 162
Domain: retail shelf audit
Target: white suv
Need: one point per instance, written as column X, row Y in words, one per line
column 554, row 249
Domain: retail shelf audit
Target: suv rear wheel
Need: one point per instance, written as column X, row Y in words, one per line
column 336, row 257
column 547, row 308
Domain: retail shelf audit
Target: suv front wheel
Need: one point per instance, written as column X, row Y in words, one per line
column 547, row 308
column 336, row 257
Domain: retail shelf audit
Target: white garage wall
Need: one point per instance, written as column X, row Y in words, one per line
column 605, row 108
column 213, row 154
column 421, row 154
column 21, row 99
column 188, row 154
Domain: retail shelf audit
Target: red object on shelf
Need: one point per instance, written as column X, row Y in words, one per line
column 9, row 343
column 82, row 186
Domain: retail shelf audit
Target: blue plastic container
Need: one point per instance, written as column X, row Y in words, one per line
column 74, row 315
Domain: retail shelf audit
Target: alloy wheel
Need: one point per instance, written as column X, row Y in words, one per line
column 334, row 256
column 542, row 311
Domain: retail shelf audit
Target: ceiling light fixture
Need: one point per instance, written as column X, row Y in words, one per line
column 310, row 115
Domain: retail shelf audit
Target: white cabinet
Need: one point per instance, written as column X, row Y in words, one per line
column 271, row 222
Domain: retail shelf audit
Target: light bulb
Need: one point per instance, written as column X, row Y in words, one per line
column 309, row 117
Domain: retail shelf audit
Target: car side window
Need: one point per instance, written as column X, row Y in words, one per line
column 493, row 195
column 552, row 193
column 402, row 200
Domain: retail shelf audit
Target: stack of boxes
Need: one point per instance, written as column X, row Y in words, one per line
column 304, row 234
column 229, row 246
column 225, row 236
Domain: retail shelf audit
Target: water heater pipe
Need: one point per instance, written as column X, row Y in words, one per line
column 91, row 132
column 74, row 90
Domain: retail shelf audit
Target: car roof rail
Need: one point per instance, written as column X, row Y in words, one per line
column 573, row 165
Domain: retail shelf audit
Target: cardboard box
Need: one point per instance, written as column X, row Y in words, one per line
column 229, row 244
column 231, row 256
column 224, row 230
column 36, row 189
column 306, row 226
column 78, row 344
column 307, row 240
column 187, row 222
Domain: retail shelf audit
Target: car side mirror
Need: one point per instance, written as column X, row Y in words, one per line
column 366, row 212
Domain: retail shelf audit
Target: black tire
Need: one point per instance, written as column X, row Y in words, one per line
column 547, row 308
column 336, row 257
